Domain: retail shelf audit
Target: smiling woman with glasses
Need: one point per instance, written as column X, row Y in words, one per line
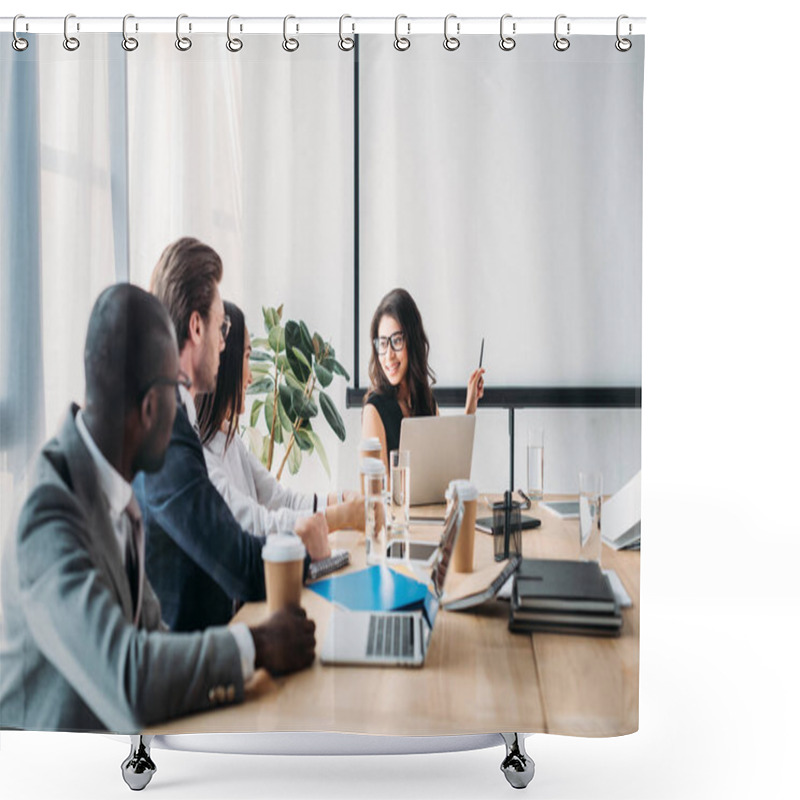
column 401, row 379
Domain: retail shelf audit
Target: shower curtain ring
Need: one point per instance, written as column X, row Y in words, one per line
column 129, row 43
column 451, row 42
column 345, row 42
column 401, row 42
column 71, row 43
column 182, row 42
column 561, row 43
column 290, row 44
column 233, row 44
column 623, row 45
column 506, row 42
column 18, row 43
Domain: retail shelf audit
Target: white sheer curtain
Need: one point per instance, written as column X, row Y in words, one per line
column 56, row 234
column 503, row 190
column 252, row 152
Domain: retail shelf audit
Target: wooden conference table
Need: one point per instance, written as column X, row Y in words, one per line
column 477, row 678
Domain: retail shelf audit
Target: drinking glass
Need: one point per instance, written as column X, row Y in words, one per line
column 590, row 507
column 535, row 465
column 400, row 476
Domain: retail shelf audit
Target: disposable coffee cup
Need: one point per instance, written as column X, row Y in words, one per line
column 369, row 448
column 463, row 554
column 283, row 556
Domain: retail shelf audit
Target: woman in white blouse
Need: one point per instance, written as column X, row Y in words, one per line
column 258, row 502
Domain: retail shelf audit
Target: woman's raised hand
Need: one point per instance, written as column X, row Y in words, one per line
column 474, row 390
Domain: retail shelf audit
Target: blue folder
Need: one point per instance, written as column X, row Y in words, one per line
column 375, row 588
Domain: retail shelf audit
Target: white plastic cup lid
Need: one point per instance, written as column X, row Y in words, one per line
column 283, row 547
column 371, row 445
column 466, row 490
column 372, row 466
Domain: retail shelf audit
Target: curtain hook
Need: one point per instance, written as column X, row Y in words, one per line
column 233, row 44
column 289, row 44
column 623, row 45
column 401, row 42
column 71, row 43
column 506, row 42
column 129, row 43
column 561, row 43
column 183, row 43
column 451, row 42
column 345, row 43
column 18, row 43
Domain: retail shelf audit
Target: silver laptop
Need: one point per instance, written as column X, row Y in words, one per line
column 441, row 450
column 393, row 638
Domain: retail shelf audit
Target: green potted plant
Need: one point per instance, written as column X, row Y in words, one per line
column 291, row 369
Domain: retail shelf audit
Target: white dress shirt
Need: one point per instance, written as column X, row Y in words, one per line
column 258, row 502
column 115, row 488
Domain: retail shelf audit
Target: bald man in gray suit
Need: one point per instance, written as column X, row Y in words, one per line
column 82, row 644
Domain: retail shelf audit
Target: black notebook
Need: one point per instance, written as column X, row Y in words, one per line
column 570, row 586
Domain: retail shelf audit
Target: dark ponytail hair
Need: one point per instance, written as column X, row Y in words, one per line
column 224, row 402
column 399, row 305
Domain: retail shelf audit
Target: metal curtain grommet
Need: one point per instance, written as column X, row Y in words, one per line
column 183, row 43
column 506, row 42
column 451, row 42
column 346, row 43
column 401, row 42
column 71, row 43
column 623, row 45
column 561, row 43
column 290, row 44
column 17, row 42
column 233, row 44
column 129, row 43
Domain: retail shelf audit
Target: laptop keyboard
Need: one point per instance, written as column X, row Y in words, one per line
column 391, row 635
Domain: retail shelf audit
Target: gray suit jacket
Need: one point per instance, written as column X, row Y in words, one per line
column 70, row 655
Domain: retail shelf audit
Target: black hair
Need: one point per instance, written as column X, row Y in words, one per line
column 224, row 402
column 128, row 337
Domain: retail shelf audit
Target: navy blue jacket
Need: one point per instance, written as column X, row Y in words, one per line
column 197, row 557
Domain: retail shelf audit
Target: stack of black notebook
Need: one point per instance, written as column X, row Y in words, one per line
column 563, row 597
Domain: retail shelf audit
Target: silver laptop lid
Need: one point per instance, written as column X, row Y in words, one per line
column 441, row 450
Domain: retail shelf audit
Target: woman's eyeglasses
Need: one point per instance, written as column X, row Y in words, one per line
column 396, row 340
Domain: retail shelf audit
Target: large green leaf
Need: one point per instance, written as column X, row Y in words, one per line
column 277, row 339
column 261, row 369
column 302, row 356
column 304, row 440
column 334, row 366
column 320, row 451
column 293, row 382
column 295, row 460
column 332, row 415
column 271, row 317
column 259, row 342
column 324, row 375
column 260, row 386
column 286, row 406
column 255, row 411
column 269, row 406
column 306, row 342
column 294, row 342
column 260, row 355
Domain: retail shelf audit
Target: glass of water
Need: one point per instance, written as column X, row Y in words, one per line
column 535, row 465
column 590, row 508
column 400, row 486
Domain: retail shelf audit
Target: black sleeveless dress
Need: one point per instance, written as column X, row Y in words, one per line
column 391, row 416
